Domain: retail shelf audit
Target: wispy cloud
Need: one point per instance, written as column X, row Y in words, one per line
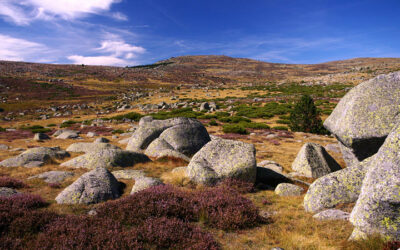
column 25, row 11
column 112, row 51
column 119, row 16
column 15, row 49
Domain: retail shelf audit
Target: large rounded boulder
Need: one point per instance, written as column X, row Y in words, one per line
column 223, row 159
column 365, row 115
column 93, row 187
column 340, row 187
column 183, row 135
column 378, row 207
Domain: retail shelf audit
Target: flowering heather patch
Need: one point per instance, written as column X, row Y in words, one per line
column 55, row 185
column 227, row 209
column 14, row 135
column 11, row 183
column 158, row 201
column 393, row 245
column 21, row 201
column 240, row 186
column 220, row 207
column 79, row 232
column 173, row 233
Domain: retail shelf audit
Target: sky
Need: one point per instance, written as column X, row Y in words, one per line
column 135, row 32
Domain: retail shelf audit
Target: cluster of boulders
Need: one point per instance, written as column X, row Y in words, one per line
column 366, row 123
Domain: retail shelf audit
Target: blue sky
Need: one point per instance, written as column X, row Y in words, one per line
column 132, row 32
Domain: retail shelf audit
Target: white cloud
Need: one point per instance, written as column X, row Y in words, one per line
column 120, row 48
column 114, row 50
column 119, row 16
column 23, row 12
column 15, row 49
column 98, row 60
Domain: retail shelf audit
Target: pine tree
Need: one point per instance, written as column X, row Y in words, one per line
column 306, row 118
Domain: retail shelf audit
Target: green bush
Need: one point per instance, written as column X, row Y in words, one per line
column 132, row 115
column 234, row 119
column 282, row 121
column 69, row 123
column 306, row 118
column 183, row 112
column 36, row 129
column 234, row 128
column 213, row 123
column 207, row 116
column 2, row 129
column 280, row 128
column 254, row 125
column 118, row 131
column 87, row 122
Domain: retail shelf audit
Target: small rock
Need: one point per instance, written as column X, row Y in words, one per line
column 287, row 189
column 41, row 136
column 4, row 147
column 7, row 192
column 144, row 183
column 332, row 214
column 101, row 140
column 129, row 174
column 53, row 176
column 91, row 134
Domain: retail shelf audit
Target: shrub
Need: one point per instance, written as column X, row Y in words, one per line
column 2, row 129
column 392, row 245
column 23, row 201
column 11, row 183
column 225, row 209
column 68, row 123
column 51, row 125
column 166, row 233
column 305, row 117
column 118, row 131
column 78, row 232
column 254, row 125
column 240, row 186
column 281, row 121
column 207, row 116
column 132, row 116
column 280, row 128
column 159, row 201
column 36, row 129
column 234, row 128
column 182, row 112
column 234, row 119
column 213, row 123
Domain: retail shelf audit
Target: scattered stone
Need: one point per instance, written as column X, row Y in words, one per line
column 68, row 135
column 114, row 137
column 159, row 148
column 287, row 189
column 60, row 131
column 332, row 214
column 128, row 174
column 93, row 187
column 7, row 192
column 91, row 134
column 41, row 137
column 221, row 159
column 32, row 157
column 271, row 165
column 101, row 140
column 366, row 114
column 53, row 176
column 4, row 147
column 144, row 183
column 313, row 161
